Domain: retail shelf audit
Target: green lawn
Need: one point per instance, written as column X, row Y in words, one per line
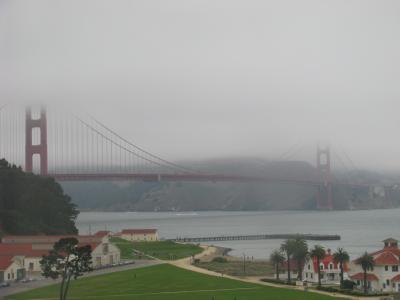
column 165, row 250
column 235, row 268
column 166, row 282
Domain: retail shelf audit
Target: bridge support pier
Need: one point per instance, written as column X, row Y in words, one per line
column 39, row 149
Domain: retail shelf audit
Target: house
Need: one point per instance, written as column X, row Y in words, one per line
column 293, row 270
column 330, row 271
column 385, row 276
column 11, row 268
column 33, row 248
column 139, row 235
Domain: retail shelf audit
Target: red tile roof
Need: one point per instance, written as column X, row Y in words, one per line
column 386, row 258
column 360, row 276
column 21, row 249
column 326, row 262
column 139, row 231
column 28, row 251
column 396, row 278
column 5, row 262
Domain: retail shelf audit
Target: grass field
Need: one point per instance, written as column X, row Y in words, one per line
column 165, row 250
column 235, row 268
column 166, row 282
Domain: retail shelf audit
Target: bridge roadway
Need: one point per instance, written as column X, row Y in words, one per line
column 193, row 177
column 308, row 237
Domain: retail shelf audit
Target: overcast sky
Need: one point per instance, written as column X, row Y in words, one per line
column 191, row 79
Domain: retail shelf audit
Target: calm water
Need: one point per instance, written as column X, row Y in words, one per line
column 360, row 230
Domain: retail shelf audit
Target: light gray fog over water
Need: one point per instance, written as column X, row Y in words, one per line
column 360, row 230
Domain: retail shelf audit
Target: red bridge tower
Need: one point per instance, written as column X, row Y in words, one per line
column 324, row 172
column 39, row 149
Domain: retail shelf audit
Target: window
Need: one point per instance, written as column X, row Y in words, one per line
column 311, row 276
column 387, row 282
column 321, row 266
column 358, row 282
column 386, row 268
column 395, row 268
column 105, row 248
column 306, row 275
column 31, row 266
column 330, row 266
column 384, row 286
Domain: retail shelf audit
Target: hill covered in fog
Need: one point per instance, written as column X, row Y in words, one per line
column 191, row 196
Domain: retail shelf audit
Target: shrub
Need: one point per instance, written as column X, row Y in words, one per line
column 276, row 281
column 348, row 285
column 220, row 259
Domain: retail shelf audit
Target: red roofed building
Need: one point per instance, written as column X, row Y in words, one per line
column 33, row 248
column 11, row 268
column 148, row 235
column 385, row 276
column 330, row 271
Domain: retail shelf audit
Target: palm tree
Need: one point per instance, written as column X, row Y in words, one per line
column 300, row 253
column 288, row 247
column 341, row 257
column 367, row 263
column 318, row 252
column 277, row 258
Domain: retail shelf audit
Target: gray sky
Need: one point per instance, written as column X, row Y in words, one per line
column 191, row 79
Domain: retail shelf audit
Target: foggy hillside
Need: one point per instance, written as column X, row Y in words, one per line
column 188, row 196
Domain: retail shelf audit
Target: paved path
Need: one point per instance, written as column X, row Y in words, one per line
column 21, row 287
column 186, row 263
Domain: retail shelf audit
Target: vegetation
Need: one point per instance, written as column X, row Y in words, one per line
column 220, row 259
column 367, row 263
column 318, row 252
column 31, row 204
column 300, row 254
column 66, row 260
column 166, row 282
column 341, row 257
column 288, row 247
column 349, row 291
column 235, row 268
column 277, row 259
column 165, row 250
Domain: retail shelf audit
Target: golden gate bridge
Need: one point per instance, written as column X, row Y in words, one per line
column 69, row 147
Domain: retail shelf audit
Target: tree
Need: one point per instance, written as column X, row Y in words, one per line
column 300, row 254
column 341, row 257
column 318, row 252
column 367, row 263
column 277, row 259
column 288, row 247
column 66, row 260
column 32, row 204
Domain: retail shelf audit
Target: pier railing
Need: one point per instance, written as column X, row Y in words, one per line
column 309, row 237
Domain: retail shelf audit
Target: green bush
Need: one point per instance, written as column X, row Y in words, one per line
column 348, row 285
column 276, row 281
column 220, row 259
column 349, row 292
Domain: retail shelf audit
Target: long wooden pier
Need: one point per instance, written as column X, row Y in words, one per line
column 308, row 237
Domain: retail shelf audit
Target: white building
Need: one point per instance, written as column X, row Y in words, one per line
column 385, row 276
column 330, row 271
column 11, row 268
column 33, row 248
column 148, row 235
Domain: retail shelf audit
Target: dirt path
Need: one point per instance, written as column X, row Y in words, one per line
column 186, row 263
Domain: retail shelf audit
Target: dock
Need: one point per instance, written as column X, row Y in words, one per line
column 253, row 237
